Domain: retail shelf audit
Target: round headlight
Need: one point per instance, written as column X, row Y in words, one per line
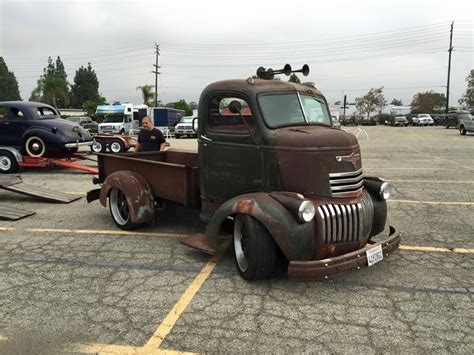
column 306, row 211
column 385, row 191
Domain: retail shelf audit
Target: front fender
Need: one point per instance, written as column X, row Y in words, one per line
column 137, row 192
column 51, row 140
column 296, row 240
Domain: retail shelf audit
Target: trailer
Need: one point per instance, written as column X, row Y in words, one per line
column 115, row 143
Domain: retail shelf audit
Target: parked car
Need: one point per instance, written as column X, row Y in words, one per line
column 85, row 122
column 368, row 121
column 399, row 121
column 466, row 124
column 422, row 119
column 439, row 119
column 37, row 130
column 452, row 118
column 185, row 127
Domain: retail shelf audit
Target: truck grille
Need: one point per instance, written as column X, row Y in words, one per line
column 346, row 223
column 342, row 183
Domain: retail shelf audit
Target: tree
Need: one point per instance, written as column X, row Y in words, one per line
column 181, row 105
column 467, row 100
column 371, row 101
column 85, row 88
column 294, row 79
column 90, row 106
column 193, row 105
column 396, row 102
column 52, row 87
column 428, row 102
column 148, row 94
column 8, row 84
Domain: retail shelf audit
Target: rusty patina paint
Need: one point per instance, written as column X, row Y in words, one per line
column 137, row 192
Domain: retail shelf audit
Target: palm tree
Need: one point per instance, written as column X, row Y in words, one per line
column 148, row 93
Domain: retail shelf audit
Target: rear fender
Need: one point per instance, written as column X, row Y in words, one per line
column 296, row 240
column 137, row 192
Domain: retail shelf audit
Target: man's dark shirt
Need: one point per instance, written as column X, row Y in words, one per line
column 150, row 140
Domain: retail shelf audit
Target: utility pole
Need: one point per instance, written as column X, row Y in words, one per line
column 449, row 67
column 157, row 52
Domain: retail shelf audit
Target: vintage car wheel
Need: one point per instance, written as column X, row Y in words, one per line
column 120, row 210
column 8, row 163
column 117, row 146
column 98, row 146
column 35, row 147
column 255, row 250
column 462, row 130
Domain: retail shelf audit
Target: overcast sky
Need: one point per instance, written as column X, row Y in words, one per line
column 350, row 46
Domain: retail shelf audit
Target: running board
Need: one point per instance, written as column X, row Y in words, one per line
column 16, row 184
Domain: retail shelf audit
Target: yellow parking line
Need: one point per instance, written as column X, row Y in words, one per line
column 6, row 229
column 463, row 251
column 168, row 323
column 436, row 249
column 454, row 203
column 103, row 232
column 119, row 349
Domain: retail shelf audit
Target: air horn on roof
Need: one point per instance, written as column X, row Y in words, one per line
column 269, row 73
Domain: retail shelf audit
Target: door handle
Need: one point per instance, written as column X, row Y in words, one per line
column 206, row 138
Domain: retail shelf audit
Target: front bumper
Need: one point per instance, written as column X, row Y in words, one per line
column 314, row 270
column 78, row 144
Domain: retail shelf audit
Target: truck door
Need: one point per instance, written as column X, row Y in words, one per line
column 230, row 161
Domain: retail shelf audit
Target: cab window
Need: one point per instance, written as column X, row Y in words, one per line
column 221, row 119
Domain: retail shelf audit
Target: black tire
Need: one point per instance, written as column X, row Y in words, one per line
column 34, row 147
column 99, row 146
column 8, row 163
column 120, row 210
column 446, row 126
column 177, row 136
column 255, row 251
column 122, row 131
column 116, row 146
column 462, row 130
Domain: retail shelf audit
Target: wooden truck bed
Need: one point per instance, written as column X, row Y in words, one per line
column 172, row 175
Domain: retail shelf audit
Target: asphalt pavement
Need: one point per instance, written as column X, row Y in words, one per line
column 72, row 282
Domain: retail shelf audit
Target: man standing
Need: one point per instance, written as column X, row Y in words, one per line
column 150, row 138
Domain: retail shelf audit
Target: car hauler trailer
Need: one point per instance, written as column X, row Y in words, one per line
column 270, row 161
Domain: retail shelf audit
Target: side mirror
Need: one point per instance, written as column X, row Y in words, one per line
column 195, row 124
column 235, row 106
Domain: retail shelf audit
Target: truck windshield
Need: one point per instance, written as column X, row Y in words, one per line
column 113, row 119
column 293, row 109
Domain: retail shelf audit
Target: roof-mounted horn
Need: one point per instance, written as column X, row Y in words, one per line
column 269, row 73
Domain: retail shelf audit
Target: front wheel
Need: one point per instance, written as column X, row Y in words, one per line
column 255, row 250
column 8, row 163
column 98, row 146
column 462, row 130
column 120, row 210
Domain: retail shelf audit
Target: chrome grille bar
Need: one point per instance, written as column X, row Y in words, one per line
column 342, row 183
column 346, row 223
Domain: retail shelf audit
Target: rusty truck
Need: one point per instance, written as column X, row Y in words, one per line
column 270, row 164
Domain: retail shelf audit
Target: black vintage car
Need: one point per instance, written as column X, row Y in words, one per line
column 37, row 130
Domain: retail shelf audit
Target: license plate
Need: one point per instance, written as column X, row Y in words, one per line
column 374, row 255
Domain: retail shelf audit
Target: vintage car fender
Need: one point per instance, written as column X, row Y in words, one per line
column 137, row 192
column 373, row 184
column 296, row 240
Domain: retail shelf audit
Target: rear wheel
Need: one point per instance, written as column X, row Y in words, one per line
column 35, row 147
column 8, row 163
column 462, row 130
column 120, row 210
column 117, row 146
column 254, row 249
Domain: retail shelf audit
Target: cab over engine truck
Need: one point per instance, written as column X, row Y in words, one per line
column 270, row 162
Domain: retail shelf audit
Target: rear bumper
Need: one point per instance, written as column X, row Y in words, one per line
column 314, row 270
column 78, row 144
